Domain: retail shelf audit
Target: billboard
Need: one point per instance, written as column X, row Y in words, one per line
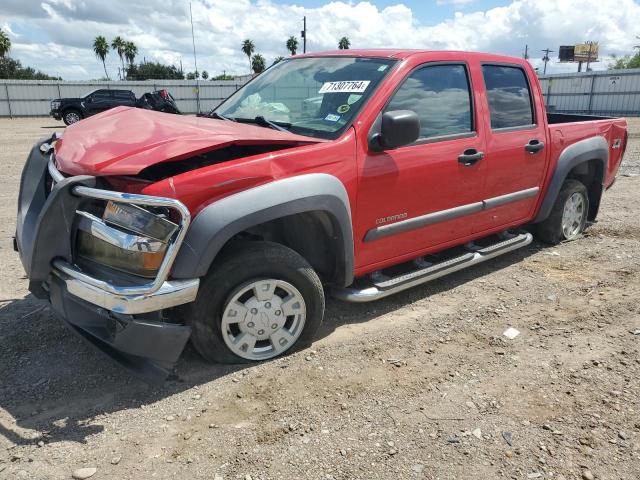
column 581, row 52
column 566, row 53
column 585, row 52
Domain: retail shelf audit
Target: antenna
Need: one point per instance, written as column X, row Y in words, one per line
column 195, row 60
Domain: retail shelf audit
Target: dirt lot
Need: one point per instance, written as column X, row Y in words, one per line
column 420, row 385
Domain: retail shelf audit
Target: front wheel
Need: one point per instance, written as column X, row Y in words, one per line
column 568, row 217
column 260, row 301
column 71, row 116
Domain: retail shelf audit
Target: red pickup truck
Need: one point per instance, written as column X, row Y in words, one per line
column 360, row 173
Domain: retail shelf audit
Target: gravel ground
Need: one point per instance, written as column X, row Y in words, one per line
column 420, row 385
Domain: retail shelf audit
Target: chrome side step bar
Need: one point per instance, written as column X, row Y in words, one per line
column 382, row 286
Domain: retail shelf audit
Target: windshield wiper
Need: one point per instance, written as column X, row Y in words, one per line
column 221, row 117
column 260, row 120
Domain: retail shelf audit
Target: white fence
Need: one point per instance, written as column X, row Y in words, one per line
column 611, row 92
column 31, row 98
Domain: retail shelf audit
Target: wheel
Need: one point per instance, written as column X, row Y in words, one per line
column 71, row 116
column 260, row 301
column 568, row 217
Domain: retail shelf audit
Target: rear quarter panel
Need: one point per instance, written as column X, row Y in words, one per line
column 563, row 135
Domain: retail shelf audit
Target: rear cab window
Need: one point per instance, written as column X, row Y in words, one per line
column 509, row 97
column 441, row 97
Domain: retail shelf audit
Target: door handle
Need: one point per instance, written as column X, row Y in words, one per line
column 534, row 146
column 470, row 156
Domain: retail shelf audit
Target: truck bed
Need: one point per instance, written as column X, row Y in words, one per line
column 554, row 118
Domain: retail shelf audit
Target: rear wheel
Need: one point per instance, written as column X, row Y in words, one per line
column 71, row 116
column 568, row 217
column 260, row 301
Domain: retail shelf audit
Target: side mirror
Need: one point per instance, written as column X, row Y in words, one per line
column 394, row 129
column 89, row 99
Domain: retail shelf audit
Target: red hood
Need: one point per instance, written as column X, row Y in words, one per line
column 125, row 140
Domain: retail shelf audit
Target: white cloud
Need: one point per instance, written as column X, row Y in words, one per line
column 57, row 35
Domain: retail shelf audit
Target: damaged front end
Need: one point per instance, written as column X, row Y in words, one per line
column 103, row 258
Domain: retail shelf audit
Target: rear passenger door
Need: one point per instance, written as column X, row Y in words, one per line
column 99, row 101
column 123, row 98
column 516, row 153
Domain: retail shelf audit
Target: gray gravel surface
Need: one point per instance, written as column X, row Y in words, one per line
column 420, row 385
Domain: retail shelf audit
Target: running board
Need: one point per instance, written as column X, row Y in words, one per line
column 382, row 286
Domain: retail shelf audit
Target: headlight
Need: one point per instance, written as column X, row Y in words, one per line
column 127, row 238
column 55, row 104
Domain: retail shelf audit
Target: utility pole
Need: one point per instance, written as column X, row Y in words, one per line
column 303, row 34
column 526, row 52
column 545, row 59
column 195, row 61
column 589, row 55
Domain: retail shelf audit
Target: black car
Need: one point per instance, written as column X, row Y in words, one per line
column 72, row 110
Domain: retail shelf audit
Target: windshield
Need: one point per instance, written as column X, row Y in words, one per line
column 315, row 96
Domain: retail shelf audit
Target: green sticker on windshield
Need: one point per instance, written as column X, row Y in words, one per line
column 343, row 108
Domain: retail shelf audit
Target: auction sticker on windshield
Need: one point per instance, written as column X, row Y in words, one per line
column 346, row 86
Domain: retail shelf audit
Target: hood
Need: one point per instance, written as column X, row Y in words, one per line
column 126, row 140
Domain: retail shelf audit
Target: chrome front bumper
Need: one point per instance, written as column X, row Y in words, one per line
column 159, row 293
column 170, row 294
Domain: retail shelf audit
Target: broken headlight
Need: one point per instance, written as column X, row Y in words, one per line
column 128, row 238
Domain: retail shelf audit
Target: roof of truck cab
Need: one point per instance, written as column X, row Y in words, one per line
column 405, row 53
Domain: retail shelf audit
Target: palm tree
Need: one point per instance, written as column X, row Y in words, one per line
column 257, row 63
column 5, row 44
column 277, row 60
column 344, row 43
column 130, row 52
column 248, row 48
column 118, row 45
column 101, row 48
column 292, row 44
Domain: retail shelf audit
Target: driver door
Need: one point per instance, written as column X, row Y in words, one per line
column 423, row 195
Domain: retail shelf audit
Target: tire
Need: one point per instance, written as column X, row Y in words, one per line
column 218, row 335
column 71, row 116
column 555, row 229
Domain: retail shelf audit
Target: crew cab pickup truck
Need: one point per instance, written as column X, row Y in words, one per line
column 72, row 110
column 359, row 173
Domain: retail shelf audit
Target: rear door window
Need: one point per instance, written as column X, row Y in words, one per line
column 509, row 96
column 440, row 96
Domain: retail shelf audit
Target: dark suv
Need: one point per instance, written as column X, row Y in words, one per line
column 72, row 110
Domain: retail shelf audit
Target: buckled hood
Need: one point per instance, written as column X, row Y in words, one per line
column 126, row 140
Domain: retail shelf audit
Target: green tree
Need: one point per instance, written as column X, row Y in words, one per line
column 257, row 63
column 13, row 69
column 292, row 44
column 130, row 52
column 5, row 44
column 205, row 74
column 628, row 61
column 248, row 48
column 278, row 60
column 193, row 75
column 344, row 43
column 154, row 71
column 118, row 45
column 224, row 76
column 101, row 49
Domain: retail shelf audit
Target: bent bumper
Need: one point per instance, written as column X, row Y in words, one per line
column 121, row 316
column 170, row 293
column 148, row 347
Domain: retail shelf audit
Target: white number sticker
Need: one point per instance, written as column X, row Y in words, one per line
column 346, row 86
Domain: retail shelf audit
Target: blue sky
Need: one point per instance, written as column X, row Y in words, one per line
column 56, row 35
